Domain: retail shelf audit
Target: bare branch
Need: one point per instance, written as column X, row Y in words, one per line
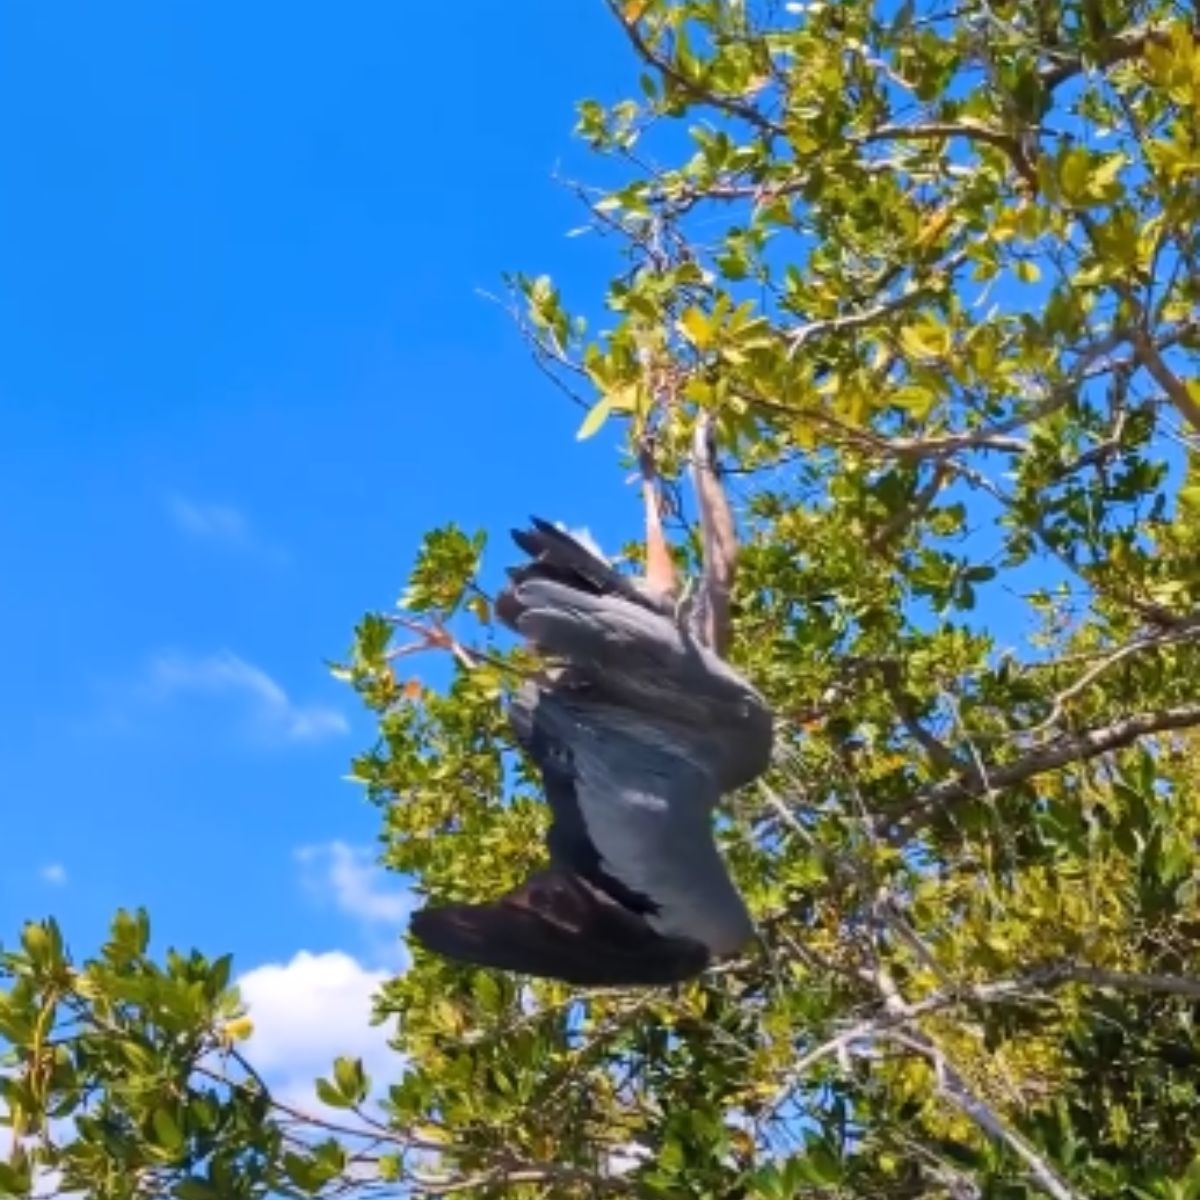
column 1131, row 981
column 447, row 1185
column 1176, row 390
column 1147, row 350
column 1071, row 747
column 803, row 334
column 955, row 1088
column 1123, row 45
column 1009, row 143
column 903, row 520
column 1187, row 628
column 939, row 446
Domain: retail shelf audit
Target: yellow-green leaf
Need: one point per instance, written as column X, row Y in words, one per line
column 596, row 417
column 1073, row 170
column 239, row 1029
column 696, row 327
column 925, row 339
column 915, row 399
column 166, row 1131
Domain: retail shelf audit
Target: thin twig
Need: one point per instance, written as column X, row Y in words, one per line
column 799, row 337
column 729, row 104
column 939, row 753
column 1187, row 628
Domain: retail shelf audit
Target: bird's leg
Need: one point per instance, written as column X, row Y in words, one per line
column 660, row 569
column 718, row 542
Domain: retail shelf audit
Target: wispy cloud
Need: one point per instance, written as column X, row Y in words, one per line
column 272, row 713
column 54, row 873
column 356, row 884
column 222, row 524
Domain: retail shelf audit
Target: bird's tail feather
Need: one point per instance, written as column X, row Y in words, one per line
column 557, row 556
column 557, row 927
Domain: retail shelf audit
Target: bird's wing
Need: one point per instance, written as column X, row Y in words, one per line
column 642, row 661
column 644, row 800
column 568, row 840
column 575, row 921
column 555, row 926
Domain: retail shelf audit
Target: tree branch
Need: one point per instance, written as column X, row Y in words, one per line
column 803, row 334
column 973, row 131
column 954, row 1087
column 1182, row 631
column 729, row 104
column 939, row 754
column 1126, row 44
column 1177, row 392
column 1072, row 747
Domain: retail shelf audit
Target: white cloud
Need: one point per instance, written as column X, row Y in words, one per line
column 216, row 522
column 221, row 524
column 357, row 884
column 306, row 1013
column 309, row 1011
column 54, row 873
column 273, row 713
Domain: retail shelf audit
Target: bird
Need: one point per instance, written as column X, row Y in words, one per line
column 637, row 727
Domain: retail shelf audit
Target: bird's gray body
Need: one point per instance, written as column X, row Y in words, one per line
column 637, row 730
column 646, row 796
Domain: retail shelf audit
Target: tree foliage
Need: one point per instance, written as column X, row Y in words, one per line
column 934, row 270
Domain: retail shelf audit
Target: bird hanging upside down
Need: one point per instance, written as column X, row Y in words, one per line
column 637, row 729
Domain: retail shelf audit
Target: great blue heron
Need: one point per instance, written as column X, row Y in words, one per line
column 637, row 727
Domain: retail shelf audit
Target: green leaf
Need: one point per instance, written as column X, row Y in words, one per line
column 15, row 1180
column 1074, row 168
column 446, row 564
column 915, row 399
column 218, row 979
column 166, row 1132
column 328, row 1094
column 596, row 416
column 925, row 339
column 195, row 1188
column 621, row 399
column 351, row 1080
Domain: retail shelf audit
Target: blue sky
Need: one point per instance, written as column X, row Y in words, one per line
column 244, row 364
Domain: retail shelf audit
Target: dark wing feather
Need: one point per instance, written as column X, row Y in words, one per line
column 555, row 926
column 570, row 844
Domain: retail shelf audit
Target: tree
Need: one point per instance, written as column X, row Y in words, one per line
column 934, row 271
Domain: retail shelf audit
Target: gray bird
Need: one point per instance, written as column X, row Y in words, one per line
column 637, row 728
